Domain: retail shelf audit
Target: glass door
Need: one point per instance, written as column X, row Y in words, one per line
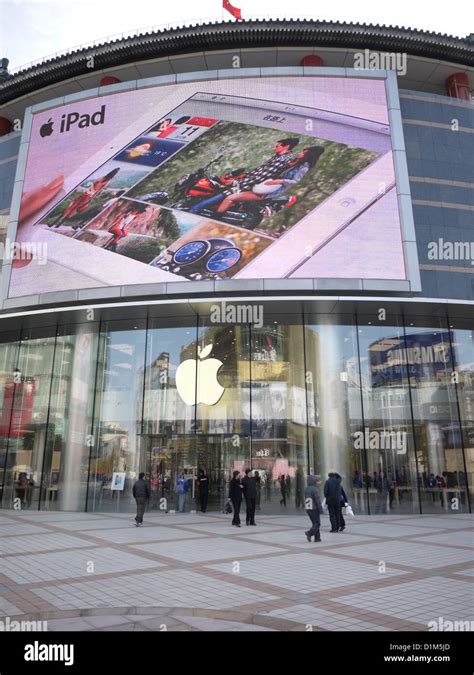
column 183, row 457
column 218, row 455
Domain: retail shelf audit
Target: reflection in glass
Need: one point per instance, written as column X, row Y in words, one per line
column 389, row 407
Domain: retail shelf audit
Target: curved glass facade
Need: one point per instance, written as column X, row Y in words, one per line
column 297, row 394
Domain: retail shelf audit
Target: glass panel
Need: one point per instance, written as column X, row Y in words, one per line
column 273, row 387
column 117, row 445
column 30, row 392
column 169, row 421
column 222, row 413
column 463, row 353
column 333, row 381
column 438, row 432
column 9, row 381
column 387, row 435
column 165, row 413
column 66, row 461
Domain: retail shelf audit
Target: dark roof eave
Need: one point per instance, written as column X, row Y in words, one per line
column 246, row 34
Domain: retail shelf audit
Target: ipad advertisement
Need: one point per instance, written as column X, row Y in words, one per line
column 277, row 177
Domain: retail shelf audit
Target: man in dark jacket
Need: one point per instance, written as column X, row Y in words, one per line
column 235, row 496
column 250, row 494
column 332, row 492
column 343, row 501
column 203, row 490
column 141, row 492
column 314, row 508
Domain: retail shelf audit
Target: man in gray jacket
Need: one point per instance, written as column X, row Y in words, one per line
column 312, row 502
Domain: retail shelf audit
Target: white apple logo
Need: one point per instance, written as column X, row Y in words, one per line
column 209, row 391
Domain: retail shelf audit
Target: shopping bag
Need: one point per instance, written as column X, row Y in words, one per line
column 324, row 505
column 348, row 511
column 228, row 507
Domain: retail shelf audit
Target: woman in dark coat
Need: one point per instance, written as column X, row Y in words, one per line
column 235, row 496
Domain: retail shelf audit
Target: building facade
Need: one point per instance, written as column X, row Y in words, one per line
column 356, row 370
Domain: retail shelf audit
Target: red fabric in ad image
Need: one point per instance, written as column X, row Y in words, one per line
column 166, row 132
column 201, row 121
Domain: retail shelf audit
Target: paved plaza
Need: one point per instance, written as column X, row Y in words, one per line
column 195, row 572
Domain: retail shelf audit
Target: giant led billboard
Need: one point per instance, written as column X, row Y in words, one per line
column 271, row 177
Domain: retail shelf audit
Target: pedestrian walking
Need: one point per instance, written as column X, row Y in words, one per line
column 342, row 502
column 332, row 492
column 235, row 496
column 250, row 494
column 314, row 508
column 141, row 492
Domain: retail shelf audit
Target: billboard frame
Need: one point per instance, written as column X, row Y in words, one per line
column 408, row 287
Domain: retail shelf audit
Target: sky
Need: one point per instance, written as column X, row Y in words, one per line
column 33, row 29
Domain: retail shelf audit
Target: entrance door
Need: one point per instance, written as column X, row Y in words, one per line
column 219, row 455
column 216, row 454
column 167, row 459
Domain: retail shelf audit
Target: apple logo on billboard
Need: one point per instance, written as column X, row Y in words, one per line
column 209, row 391
column 47, row 128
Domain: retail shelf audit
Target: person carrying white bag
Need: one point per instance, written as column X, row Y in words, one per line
column 344, row 503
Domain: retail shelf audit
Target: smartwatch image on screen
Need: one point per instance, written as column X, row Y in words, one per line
column 202, row 259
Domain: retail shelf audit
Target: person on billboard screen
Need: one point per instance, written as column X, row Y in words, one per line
column 82, row 202
column 165, row 128
column 119, row 229
column 271, row 168
column 275, row 187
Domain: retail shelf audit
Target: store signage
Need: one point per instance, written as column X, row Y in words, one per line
column 264, row 452
column 421, row 356
column 196, row 380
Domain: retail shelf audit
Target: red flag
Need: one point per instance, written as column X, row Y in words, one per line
column 235, row 11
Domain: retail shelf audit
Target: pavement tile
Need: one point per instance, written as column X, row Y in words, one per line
column 413, row 554
column 308, row 573
column 69, row 564
column 206, row 549
column 34, row 543
column 130, row 534
column 424, row 591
